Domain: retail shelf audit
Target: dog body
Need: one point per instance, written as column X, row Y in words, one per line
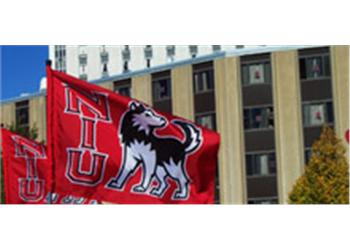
column 160, row 157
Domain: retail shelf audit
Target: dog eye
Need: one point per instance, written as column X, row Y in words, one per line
column 148, row 115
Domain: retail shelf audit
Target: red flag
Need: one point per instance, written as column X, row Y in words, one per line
column 27, row 173
column 113, row 148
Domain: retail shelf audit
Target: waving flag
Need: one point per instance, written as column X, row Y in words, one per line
column 27, row 173
column 113, row 148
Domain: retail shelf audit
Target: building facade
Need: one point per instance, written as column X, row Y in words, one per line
column 268, row 104
column 101, row 61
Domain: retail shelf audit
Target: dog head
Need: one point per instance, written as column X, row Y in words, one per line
column 145, row 118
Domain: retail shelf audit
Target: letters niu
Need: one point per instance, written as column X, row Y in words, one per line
column 31, row 188
column 90, row 108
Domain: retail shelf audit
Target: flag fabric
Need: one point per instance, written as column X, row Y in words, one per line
column 109, row 147
column 27, row 173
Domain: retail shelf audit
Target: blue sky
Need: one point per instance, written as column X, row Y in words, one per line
column 22, row 68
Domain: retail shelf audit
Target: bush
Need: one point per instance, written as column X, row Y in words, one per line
column 326, row 176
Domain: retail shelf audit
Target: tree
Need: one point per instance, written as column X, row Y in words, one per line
column 31, row 133
column 326, row 176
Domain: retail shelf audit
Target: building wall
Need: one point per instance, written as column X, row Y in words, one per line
column 37, row 116
column 137, row 60
column 229, row 123
column 288, row 121
column 8, row 114
column 340, row 72
column 287, row 136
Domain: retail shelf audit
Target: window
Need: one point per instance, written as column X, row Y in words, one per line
column 216, row 48
column 256, row 73
column 193, row 50
column 126, row 53
column 161, row 89
column 170, row 52
column 314, row 67
column 22, row 115
column 255, row 118
column 308, row 153
column 261, row 164
column 263, row 201
column 317, row 114
column 83, row 59
column 83, row 77
column 148, row 55
column 206, row 120
column 104, row 61
column 60, row 58
column 123, row 90
column 104, row 57
column 203, row 81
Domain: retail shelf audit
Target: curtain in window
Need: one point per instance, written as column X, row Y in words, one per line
column 264, row 166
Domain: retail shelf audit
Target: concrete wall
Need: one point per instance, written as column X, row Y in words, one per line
column 230, row 126
column 288, row 121
column 142, row 88
column 8, row 114
column 37, row 116
column 182, row 92
column 340, row 83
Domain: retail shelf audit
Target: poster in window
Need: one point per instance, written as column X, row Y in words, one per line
column 256, row 74
column 316, row 68
column 206, row 121
column 317, row 115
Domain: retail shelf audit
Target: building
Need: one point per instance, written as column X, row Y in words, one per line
column 268, row 104
column 100, row 61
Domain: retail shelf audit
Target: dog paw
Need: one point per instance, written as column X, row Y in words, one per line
column 139, row 189
column 115, row 185
column 180, row 195
column 156, row 192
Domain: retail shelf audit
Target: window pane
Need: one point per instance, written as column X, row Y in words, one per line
column 267, row 67
column 206, row 121
column 210, row 82
column 246, row 119
column 330, row 116
column 245, row 75
column 264, row 166
column 249, row 163
column 302, row 68
column 162, row 89
column 317, row 114
column 314, row 67
column 198, row 83
column 327, row 67
column 272, row 163
column 256, row 118
column 306, row 114
column 124, row 91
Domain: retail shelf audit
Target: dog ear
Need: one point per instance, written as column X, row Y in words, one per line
column 133, row 106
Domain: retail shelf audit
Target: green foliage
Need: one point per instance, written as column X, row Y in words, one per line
column 326, row 176
column 32, row 133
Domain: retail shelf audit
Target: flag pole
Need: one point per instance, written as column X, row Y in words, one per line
column 48, row 64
